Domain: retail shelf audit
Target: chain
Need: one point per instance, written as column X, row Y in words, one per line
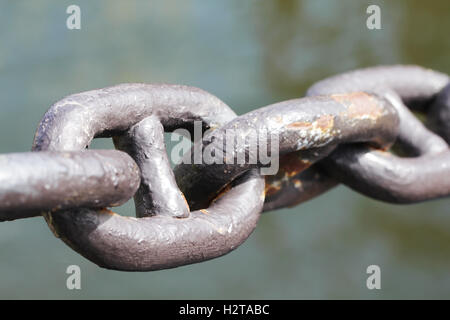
column 348, row 129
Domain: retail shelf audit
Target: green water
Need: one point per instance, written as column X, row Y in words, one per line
column 250, row 54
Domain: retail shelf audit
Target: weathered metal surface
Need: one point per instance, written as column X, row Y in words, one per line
column 113, row 110
column 383, row 175
column 159, row 239
column 288, row 191
column 341, row 132
column 386, row 177
column 143, row 244
column 403, row 86
column 36, row 181
column 158, row 193
column 301, row 124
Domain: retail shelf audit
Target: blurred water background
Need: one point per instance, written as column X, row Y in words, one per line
column 249, row 54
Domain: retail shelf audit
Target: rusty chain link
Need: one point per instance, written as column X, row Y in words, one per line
column 342, row 131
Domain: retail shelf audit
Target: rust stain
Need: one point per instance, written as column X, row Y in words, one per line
column 299, row 125
column 204, row 211
column 297, row 183
column 222, row 192
column 359, row 105
column 325, row 122
column 292, row 164
column 271, row 189
column 106, row 211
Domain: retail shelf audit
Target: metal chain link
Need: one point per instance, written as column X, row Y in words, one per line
column 341, row 132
